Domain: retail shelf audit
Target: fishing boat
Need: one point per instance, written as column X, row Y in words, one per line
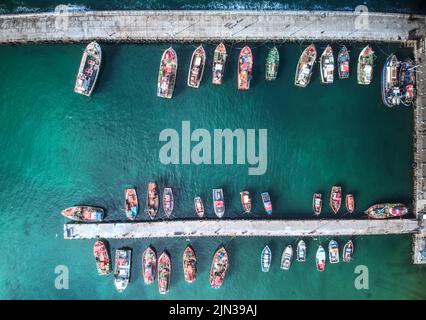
column 131, row 204
column 301, row 251
column 89, row 69
column 196, row 68
column 265, row 259
column 391, row 93
column 272, row 64
column 320, row 258
column 407, row 80
column 84, row 213
column 218, row 202
column 103, row 263
column 219, row 60
column 149, row 265
column 164, row 272
column 267, row 204
column 317, row 203
column 218, row 268
column 152, row 200
column 189, row 264
column 286, row 258
column 365, row 65
column 245, row 68
column 304, row 66
column 350, row 203
column 199, row 207
column 333, row 251
column 343, row 59
column 327, row 65
column 122, row 267
column 168, row 202
column 167, row 74
column 386, row 210
column 246, row 201
column 348, row 251
column 335, row 198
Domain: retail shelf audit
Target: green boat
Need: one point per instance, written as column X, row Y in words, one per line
column 272, row 63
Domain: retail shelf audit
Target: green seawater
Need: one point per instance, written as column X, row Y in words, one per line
column 59, row 149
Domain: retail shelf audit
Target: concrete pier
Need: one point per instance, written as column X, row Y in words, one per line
column 196, row 26
column 240, row 228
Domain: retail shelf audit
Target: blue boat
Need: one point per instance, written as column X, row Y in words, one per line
column 266, row 199
column 407, row 79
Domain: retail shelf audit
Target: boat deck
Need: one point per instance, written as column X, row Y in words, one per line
column 209, row 25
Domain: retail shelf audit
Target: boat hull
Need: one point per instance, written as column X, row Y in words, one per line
column 103, row 262
column 320, row 259
column 122, row 268
column 89, row 69
column 152, row 200
column 305, row 66
column 286, row 258
column 219, row 61
column 267, row 204
column 348, row 251
column 168, row 202
column 218, row 202
column 365, row 66
column 386, row 210
column 343, row 60
column 301, row 251
column 272, row 64
column 189, row 261
column 149, row 265
column 317, row 203
column 196, row 67
column 245, row 201
column 164, row 272
column 327, row 66
column 199, row 207
column 390, row 90
column 167, row 74
column 265, row 259
column 84, row 213
column 245, row 68
column 335, row 198
column 219, row 267
column 131, row 204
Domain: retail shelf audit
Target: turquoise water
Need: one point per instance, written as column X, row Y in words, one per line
column 61, row 149
column 408, row 6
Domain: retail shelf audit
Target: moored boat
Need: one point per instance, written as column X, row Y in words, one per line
column 350, row 203
column 320, row 258
column 149, row 265
column 305, row 65
column 131, row 204
column 365, row 66
column 168, row 201
column 267, row 204
column 164, row 272
column 246, row 201
column 265, row 259
column 189, row 264
column 343, row 59
column 286, row 257
column 199, row 207
column 327, row 65
column 167, row 74
column 122, row 267
column 103, row 263
column 386, row 210
column 84, row 213
column 333, row 251
column 407, row 80
column 335, row 198
column 348, row 251
column 152, row 200
column 245, row 68
column 390, row 90
column 218, row 268
column 218, row 202
column 272, row 64
column 301, row 251
column 196, row 67
column 219, row 60
column 89, row 69
column 317, row 203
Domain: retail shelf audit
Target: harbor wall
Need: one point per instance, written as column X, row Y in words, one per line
column 240, row 228
column 194, row 26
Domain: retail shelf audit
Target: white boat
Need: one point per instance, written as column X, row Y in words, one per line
column 333, row 251
column 327, row 65
column 122, row 266
column 301, row 251
column 286, row 258
column 320, row 259
column 265, row 259
column 89, row 69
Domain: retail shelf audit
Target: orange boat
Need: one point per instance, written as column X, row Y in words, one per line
column 152, row 200
column 189, row 264
column 245, row 68
column 350, row 203
column 103, row 263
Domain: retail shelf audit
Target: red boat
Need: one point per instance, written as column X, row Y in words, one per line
column 218, row 268
column 149, row 265
column 336, row 198
column 189, row 264
column 350, row 203
column 246, row 201
column 103, row 263
column 245, row 68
